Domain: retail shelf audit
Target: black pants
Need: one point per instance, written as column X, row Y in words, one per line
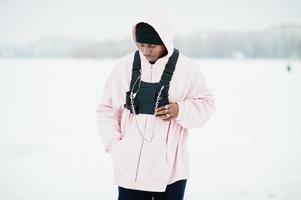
column 174, row 191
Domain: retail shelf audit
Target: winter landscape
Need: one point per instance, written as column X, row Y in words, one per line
column 56, row 55
column 50, row 147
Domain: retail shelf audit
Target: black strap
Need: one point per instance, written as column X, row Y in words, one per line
column 136, row 68
column 169, row 68
column 166, row 75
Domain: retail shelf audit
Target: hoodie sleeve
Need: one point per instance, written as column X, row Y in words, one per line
column 109, row 113
column 198, row 104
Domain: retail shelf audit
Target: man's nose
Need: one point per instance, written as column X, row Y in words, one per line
column 146, row 51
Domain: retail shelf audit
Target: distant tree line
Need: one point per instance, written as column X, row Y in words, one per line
column 276, row 42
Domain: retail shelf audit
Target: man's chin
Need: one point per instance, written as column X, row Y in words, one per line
column 150, row 59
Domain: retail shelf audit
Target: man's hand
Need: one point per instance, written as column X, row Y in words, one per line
column 167, row 112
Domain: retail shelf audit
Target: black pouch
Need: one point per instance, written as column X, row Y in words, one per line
column 146, row 100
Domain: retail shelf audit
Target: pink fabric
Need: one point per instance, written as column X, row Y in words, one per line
column 152, row 165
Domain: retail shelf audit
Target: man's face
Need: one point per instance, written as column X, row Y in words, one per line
column 152, row 51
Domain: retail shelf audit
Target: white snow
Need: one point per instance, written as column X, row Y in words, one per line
column 50, row 147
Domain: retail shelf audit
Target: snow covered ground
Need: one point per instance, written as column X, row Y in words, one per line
column 50, row 147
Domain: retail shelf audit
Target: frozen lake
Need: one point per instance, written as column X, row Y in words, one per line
column 50, row 147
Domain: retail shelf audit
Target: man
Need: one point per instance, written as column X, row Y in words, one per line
column 150, row 100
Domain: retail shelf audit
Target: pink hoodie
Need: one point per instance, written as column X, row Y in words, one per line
column 143, row 165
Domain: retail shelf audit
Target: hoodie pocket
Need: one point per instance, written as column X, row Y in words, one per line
column 117, row 155
column 126, row 121
column 124, row 157
column 116, row 146
column 153, row 166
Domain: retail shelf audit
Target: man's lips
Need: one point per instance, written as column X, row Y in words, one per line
column 149, row 57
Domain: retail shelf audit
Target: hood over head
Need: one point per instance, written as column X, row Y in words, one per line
column 160, row 22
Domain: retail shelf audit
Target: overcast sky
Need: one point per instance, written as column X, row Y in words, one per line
column 23, row 21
